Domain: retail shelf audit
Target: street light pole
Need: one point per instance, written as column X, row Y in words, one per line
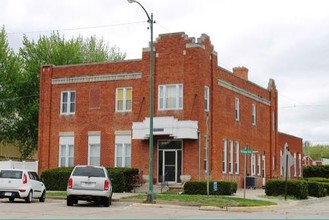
column 150, row 194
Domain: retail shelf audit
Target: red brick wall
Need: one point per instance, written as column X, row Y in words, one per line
column 178, row 59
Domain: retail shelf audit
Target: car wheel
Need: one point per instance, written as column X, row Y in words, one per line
column 29, row 197
column 43, row 197
column 69, row 201
column 107, row 202
column 110, row 200
column 11, row 199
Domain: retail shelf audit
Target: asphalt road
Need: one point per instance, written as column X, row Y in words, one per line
column 54, row 208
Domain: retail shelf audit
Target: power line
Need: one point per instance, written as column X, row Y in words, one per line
column 77, row 28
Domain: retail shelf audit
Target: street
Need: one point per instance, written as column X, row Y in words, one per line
column 55, row 208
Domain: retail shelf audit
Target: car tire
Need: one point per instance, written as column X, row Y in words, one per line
column 43, row 197
column 69, row 201
column 107, row 202
column 29, row 197
column 11, row 199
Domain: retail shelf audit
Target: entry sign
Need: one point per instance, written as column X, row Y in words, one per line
column 215, row 186
column 246, row 151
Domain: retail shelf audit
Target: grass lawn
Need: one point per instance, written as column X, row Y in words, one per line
column 193, row 200
column 204, row 200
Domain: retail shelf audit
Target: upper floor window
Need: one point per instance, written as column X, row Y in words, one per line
column 206, row 98
column 68, row 102
column 237, row 109
column 253, row 114
column 170, row 97
column 123, row 99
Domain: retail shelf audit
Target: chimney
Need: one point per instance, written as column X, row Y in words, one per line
column 241, row 71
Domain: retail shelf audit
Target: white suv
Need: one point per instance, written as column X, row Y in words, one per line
column 89, row 183
column 23, row 184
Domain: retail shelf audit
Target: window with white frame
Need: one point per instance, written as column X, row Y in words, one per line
column 281, row 167
column 253, row 114
column 94, row 149
column 170, row 97
column 68, row 102
column 300, row 164
column 224, row 156
column 206, row 98
column 237, row 157
column 66, row 151
column 123, row 99
column 253, row 164
column 237, row 109
column 259, row 164
column 295, row 164
column 230, row 161
column 122, row 151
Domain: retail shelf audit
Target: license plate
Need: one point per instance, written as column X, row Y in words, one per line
column 7, row 193
column 88, row 184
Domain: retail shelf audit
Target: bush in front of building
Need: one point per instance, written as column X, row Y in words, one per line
column 215, row 187
column 323, row 181
column 296, row 188
column 56, row 179
column 316, row 171
column 121, row 178
column 316, row 189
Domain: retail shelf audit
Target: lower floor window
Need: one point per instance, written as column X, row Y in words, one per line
column 66, row 151
column 94, row 149
column 123, row 151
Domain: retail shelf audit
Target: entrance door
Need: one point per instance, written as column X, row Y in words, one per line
column 170, row 161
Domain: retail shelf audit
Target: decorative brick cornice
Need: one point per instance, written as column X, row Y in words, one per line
column 96, row 78
column 243, row 92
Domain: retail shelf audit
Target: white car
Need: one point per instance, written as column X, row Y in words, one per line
column 22, row 184
column 89, row 183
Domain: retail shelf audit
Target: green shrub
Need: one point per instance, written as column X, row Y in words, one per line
column 323, row 181
column 316, row 189
column 200, row 187
column 296, row 188
column 316, row 171
column 317, row 179
column 56, row 179
column 121, row 178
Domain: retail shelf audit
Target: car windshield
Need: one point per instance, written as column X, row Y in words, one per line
column 11, row 174
column 89, row 172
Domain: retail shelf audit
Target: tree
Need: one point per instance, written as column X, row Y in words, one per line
column 9, row 69
column 54, row 50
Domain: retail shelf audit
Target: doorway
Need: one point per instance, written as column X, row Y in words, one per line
column 169, row 161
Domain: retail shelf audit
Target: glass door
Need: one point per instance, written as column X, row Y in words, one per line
column 170, row 161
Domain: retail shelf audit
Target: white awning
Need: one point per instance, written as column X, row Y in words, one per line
column 171, row 126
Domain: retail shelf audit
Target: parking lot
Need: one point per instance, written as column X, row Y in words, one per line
column 56, row 208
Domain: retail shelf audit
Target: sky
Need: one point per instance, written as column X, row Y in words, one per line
column 284, row 40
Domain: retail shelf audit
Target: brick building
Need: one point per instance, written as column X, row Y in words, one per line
column 98, row 114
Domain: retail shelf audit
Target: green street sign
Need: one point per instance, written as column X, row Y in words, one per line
column 246, row 151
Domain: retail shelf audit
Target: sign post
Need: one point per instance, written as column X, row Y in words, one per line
column 245, row 151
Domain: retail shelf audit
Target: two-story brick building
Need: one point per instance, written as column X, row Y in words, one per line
column 99, row 114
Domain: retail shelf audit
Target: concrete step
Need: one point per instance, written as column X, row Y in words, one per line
column 157, row 188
